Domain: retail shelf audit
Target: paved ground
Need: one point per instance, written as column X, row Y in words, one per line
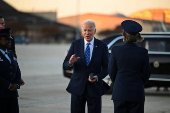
column 44, row 91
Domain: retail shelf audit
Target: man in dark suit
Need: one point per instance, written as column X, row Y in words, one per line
column 129, row 70
column 12, row 48
column 87, row 55
column 10, row 77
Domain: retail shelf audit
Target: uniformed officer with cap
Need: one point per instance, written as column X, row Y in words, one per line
column 10, row 77
column 129, row 70
column 12, row 48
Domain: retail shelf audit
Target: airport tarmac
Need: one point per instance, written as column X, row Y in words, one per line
column 44, row 91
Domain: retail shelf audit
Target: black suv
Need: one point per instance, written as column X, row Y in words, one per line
column 158, row 46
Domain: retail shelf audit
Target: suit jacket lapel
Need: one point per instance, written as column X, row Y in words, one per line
column 82, row 51
column 94, row 51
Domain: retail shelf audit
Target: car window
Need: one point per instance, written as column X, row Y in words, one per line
column 151, row 44
column 156, row 44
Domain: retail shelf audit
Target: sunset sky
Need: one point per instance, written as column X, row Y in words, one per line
column 72, row 7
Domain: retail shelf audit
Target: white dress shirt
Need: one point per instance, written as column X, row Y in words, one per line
column 91, row 46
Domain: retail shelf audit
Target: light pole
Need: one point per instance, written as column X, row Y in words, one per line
column 77, row 21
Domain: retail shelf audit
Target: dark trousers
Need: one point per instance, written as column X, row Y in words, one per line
column 128, row 107
column 9, row 105
column 78, row 103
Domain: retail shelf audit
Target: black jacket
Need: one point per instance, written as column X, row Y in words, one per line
column 9, row 73
column 129, row 70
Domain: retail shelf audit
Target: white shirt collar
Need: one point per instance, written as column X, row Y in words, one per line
column 3, row 52
column 92, row 42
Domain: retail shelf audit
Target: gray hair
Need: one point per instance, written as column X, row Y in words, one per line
column 89, row 21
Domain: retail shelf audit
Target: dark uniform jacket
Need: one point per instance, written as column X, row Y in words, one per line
column 98, row 65
column 129, row 70
column 9, row 74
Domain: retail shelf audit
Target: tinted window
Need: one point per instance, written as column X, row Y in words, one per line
column 156, row 44
column 151, row 44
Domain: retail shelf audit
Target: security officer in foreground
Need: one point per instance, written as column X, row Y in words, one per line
column 129, row 70
column 10, row 77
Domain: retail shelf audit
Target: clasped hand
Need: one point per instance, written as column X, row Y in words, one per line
column 13, row 87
